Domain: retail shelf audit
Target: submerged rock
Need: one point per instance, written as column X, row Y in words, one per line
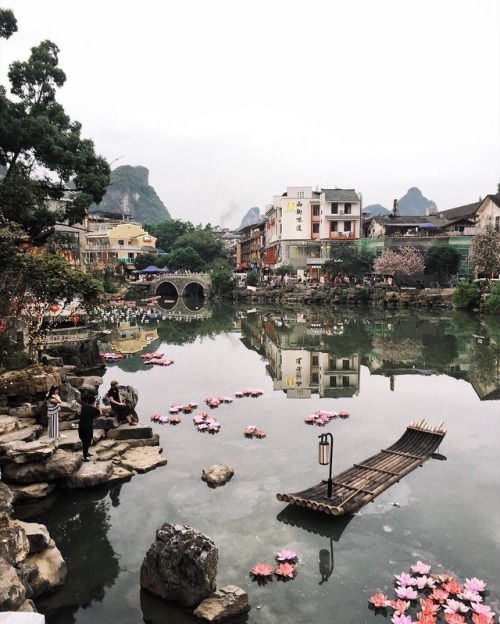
column 217, row 475
column 181, row 565
column 225, row 603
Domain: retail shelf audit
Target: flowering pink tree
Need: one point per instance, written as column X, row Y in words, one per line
column 484, row 254
column 404, row 261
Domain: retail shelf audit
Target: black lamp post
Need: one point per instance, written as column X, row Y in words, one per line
column 326, row 456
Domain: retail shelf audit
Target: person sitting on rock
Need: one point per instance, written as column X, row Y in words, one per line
column 118, row 408
column 85, row 426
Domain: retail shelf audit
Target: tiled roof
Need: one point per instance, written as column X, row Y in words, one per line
column 340, row 195
column 462, row 211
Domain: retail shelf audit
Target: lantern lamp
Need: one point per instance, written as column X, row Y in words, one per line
column 325, row 456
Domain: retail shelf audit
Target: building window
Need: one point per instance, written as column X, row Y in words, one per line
column 315, row 360
column 497, row 224
column 315, row 211
column 333, row 381
column 345, row 381
column 300, row 195
column 335, row 208
column 121, row 242
column 315, row 378
column 347, row 208
column 334, row 226
column 347, row 226
column 315, row 228
column 345, row 364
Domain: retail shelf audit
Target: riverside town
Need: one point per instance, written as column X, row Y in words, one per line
column 293, row 419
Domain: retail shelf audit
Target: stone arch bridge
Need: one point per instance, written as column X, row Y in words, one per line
column 180, row 285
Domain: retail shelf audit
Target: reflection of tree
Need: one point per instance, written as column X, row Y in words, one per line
column 177, row 332
column 402, row 351
column 80, row 530
column 355, row 339
column 439, row 353
column 484, row 364
column 464, row 322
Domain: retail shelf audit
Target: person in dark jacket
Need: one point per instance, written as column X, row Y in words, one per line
column 118, row 407
column 85, row 427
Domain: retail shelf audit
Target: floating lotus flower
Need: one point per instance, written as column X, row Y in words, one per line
column 205, row 422
column 285, row 570
column 322, row 417
column 253, row 432
column 379, row 601
column 286, row 555
column 421, row 568
column 238, row 395
column 228, row 399
column 175, row 420
column 163, row 419
column 262, row 570
column 448, row 602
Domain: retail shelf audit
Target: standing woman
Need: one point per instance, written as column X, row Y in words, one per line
column 53, row 401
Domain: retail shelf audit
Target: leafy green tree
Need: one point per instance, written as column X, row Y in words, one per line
column 222, row 279
column 42, row 151
column 252, row 278
column 466, row 296
column 37, row 282
column 347, row 259
column 493, row 302
column 144, row 260
column 284, row 269
column 167, row 232
column 8, row 23
column 203, row 242
column 484, row 254
column 441, row 260
column 185, row 259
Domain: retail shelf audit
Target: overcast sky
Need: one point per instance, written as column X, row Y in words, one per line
column 228, row 102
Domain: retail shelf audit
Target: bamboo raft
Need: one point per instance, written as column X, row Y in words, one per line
column 357, row 486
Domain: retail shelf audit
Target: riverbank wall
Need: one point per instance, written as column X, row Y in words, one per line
column 377, row 296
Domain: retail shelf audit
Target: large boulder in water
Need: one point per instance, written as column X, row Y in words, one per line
column 181, row 565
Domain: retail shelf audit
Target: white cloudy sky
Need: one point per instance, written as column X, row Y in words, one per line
column 228, row 102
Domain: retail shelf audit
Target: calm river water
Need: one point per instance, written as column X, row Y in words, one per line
column 385, row 369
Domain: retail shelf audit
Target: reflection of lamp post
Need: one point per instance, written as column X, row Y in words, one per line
column 326, row 562
column 326, row 456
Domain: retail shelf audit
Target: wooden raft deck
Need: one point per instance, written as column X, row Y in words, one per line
column 359, row 485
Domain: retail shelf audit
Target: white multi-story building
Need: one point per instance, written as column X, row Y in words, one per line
column 302, row 224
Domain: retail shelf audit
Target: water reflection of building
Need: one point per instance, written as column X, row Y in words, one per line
column 128, row 338
column 298, row 361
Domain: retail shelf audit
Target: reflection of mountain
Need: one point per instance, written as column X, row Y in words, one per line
column 80, row 532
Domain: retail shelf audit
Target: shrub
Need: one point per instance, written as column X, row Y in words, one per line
column 252, row 278
column 466, row 296
column 493, row 302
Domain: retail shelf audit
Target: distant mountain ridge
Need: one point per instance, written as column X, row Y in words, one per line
column 413, row 204
column 130, row 194
column 252, row 217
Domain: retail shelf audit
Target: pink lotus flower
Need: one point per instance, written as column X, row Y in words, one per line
column 475, row 585
column 399, row 606
column 482, row 609
column 285, row 570
column 421, row 568
column 479, row 618
column 404, row 579
column 286, row 555
column 469, row 595
column 439, row 595
column 429, row 606
column 379, row 600
column 424, row 581
column 260, row 433
column 402, row 619
column 452, row 587
column 426, row 618
column 454, row 618
column 262, row 570
column 455, row 606
column 406, row 593
column 175, row 420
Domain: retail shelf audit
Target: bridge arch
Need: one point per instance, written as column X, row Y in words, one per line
column 181, row 285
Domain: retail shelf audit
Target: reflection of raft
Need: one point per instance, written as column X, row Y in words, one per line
column 360, row 484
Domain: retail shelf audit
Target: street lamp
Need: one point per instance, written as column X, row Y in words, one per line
column 326, row 456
